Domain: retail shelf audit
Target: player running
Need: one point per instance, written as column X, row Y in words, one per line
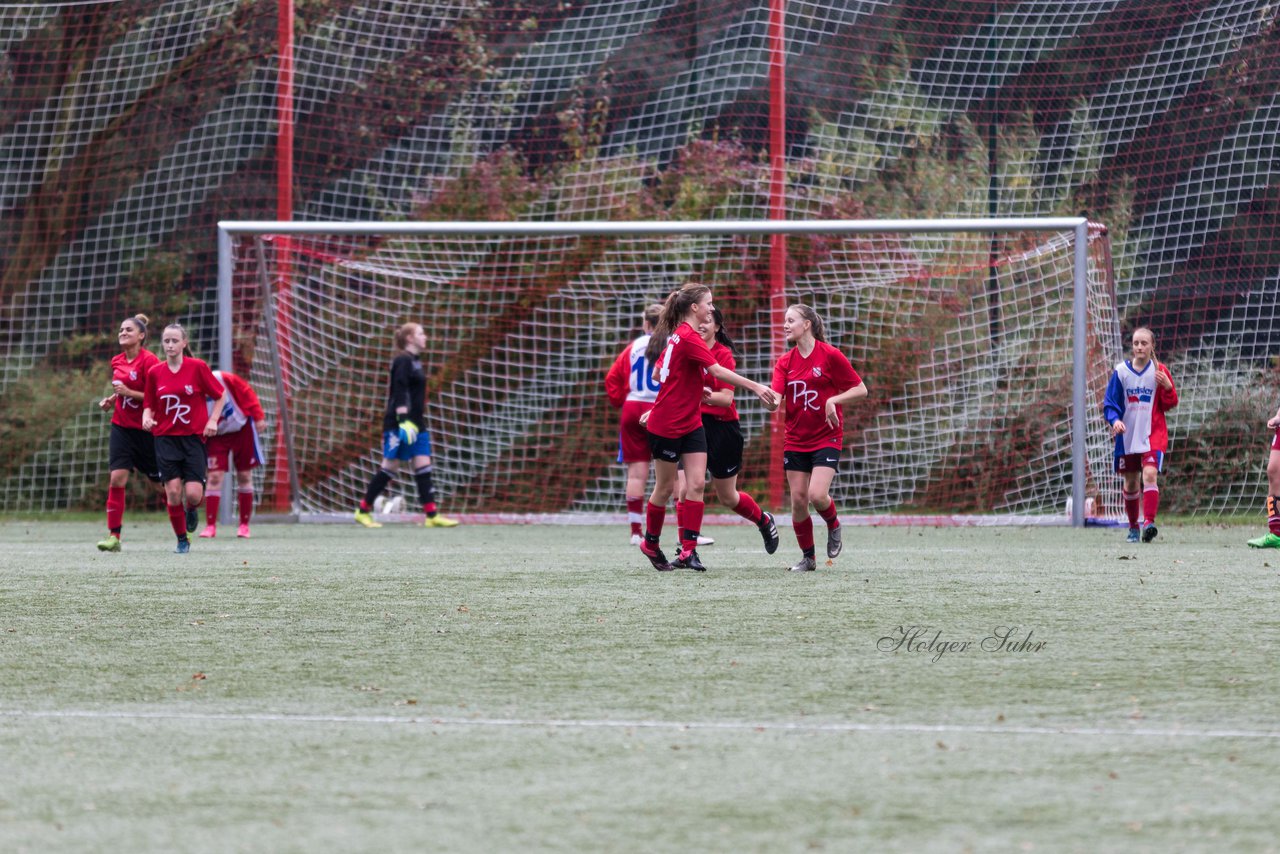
column 675, row 421
column 1138, row 395
column 814, row 380
column 724, row 434
column 131, row 446
column 1271, row 539
column 176, row 414
column 236, row 440
column 404, row 436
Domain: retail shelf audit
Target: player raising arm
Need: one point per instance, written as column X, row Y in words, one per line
column 1271, row 539
column 236, row 441
column 131, row 446
column 176, row 414
column 675, row 422
column 1139, row 393
column 404, row 434
column 814, row 380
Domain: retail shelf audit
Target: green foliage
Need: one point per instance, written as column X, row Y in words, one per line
column 37, row 405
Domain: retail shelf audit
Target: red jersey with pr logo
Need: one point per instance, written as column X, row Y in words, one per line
column 177, row 398
column 724, row 356
column 677, row 411
column 133, row 375
column 806, row 384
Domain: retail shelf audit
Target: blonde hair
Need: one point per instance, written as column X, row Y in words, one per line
column 403, row 333
column 186, row 339
column 1147, row 330
column 673, row 310
column 815, row 322
column 651, row 315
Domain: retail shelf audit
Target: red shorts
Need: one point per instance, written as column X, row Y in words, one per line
column 1275, row 440
column 242, row 446
column 633, row 437
column 1137, row 462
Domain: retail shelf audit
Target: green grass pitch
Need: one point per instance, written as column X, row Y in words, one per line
column 330, row 688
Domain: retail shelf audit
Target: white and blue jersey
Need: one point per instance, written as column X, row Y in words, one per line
column 1131, row 399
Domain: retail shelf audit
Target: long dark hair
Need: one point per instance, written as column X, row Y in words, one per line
column 673, row 310
column 722, row 337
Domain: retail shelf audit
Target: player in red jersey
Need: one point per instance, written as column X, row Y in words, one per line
column 131, row 446
column 176, row 414
column 1271, row 539
column 631, row 386
column 236, row 439
column 724, row 434
column 675, row 421
column 815, row 380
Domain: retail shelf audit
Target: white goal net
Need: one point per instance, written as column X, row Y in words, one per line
column 969, row 334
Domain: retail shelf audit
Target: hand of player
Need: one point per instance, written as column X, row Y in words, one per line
column 107, row 403
column 769, row 398
column 1274, row 422
column 706, row 396
column 833, row 418
column 1162, row 379
column 148, row 423
column 644, row 418
column 210, row 428
column 1117, row 428
column 408, row 432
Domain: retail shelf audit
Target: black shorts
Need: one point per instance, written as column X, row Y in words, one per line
column 181, row 458
column 806, row 461
column 724, row 447
column 133, row 450
column 671, row 450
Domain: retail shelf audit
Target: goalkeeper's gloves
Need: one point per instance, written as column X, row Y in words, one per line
column 408, row 431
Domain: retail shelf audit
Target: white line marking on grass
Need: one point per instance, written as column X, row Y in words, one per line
column 569, row 723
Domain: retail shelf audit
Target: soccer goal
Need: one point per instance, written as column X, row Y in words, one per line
column 985, row 344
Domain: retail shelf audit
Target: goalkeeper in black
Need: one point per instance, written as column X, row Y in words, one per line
column 404, row 434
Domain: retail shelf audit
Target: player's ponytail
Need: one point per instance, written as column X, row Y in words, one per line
column 403, row 333
column 140, row 321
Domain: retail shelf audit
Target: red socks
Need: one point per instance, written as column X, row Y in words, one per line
column 1131, row 502
column 115, row 509
column 635, row 514
column 748, row 508
column 178, row 519
column 829, row 516
column 1273, row 514
column 691, row 524
column 211, row 502
column 654, row 517
column 804, row 533
column 244, row 503
column 1150, row 503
